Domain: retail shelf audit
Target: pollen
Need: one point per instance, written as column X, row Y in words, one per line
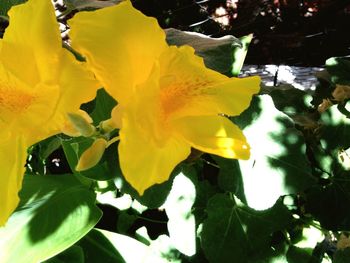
column 14, row 100
column 177, row 94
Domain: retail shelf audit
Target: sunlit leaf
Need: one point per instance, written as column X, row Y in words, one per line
column 54, row 213
column 278, row 164
column 181, row 224
column 239, row 54
column 335, row 130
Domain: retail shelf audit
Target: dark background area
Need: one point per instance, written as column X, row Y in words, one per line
column 292, row 32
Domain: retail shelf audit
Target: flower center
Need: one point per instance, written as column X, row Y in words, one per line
column 175, row 93
column 13, row 100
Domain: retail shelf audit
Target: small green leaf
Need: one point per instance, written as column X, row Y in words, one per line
column 54, row 213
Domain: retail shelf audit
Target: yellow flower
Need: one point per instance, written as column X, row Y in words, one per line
column 40, row 82
column 168, row 101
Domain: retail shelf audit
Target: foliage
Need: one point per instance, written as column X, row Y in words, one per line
column 287, row 203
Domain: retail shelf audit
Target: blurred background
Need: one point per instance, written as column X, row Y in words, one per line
column 292, row 32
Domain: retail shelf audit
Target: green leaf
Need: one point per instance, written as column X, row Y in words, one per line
column 298, row 255
column 278, row 164
column 106, row 169
column 339, row 69
column 54, row 213
column 5, row 5
column 330, row 204
column 216, row 52
column 335, row 130
column 74, row 254
column 230, row 177
column 104, row 104
column 239, row 54
column 290, row 100
column 236, row 233
column 104, row 246
column 154, row 196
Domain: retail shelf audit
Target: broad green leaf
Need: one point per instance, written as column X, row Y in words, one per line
column 278, row 164
column 178, row 207
column 330, row 204
column 74, row 254
column 216, row 52
column 236, row 233
column 53, row 214
column 5, row 5
column 104, row 246
column 154, row 196
column 298, row 255
column 230, row 177
column 290, row 100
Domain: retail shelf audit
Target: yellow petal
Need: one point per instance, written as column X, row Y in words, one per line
column 32, row 42
column 24, row 110
column 72, row 91
column 145, row 163
column 92, row 155
column 120, row 45
column 191, row 89
column 12, row 161
column 213, row 134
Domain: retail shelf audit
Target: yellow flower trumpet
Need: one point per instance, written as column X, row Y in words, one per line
column 168, row 101
column 40, row 82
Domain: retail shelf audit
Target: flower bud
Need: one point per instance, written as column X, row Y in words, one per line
column 107, row 125
column 79, row 125
column 92, row 155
